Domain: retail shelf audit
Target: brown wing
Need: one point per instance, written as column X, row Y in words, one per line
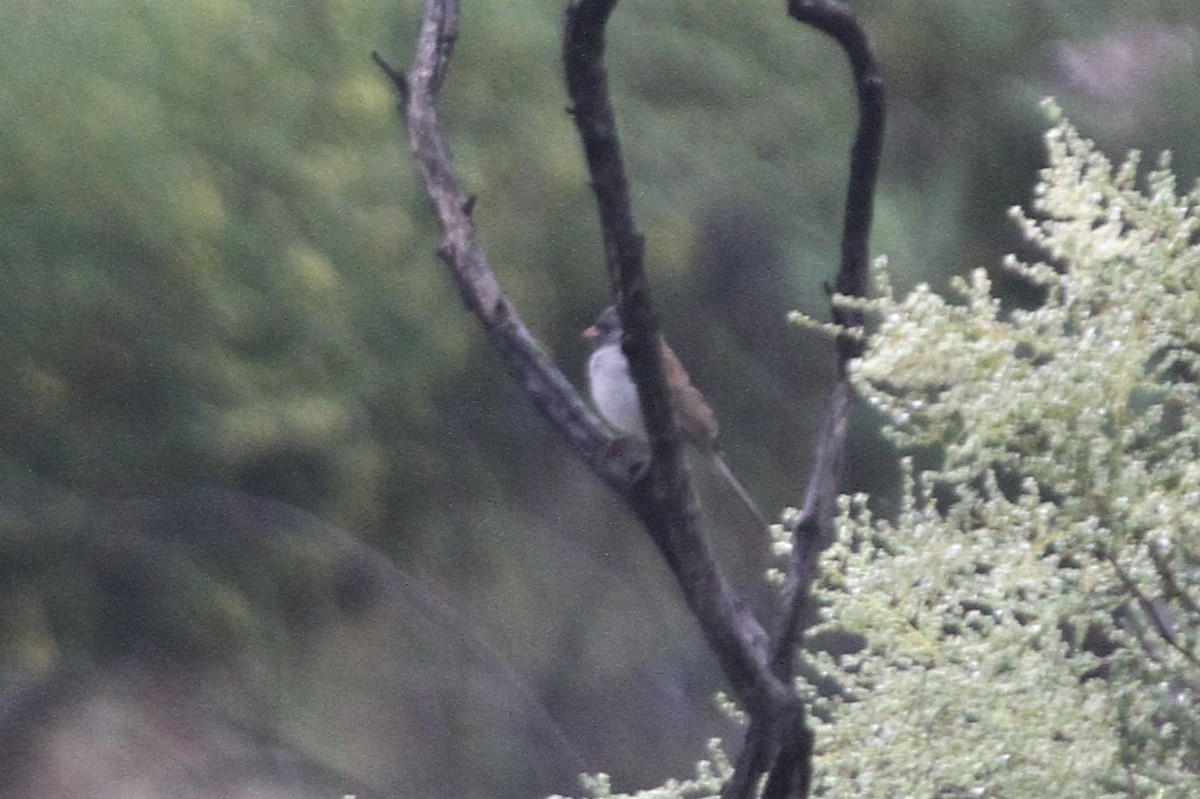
column 696, row 419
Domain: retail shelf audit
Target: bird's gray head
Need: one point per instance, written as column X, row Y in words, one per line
column 606, row 329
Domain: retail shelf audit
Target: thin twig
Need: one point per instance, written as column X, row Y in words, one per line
column 1170, row 582
column 1146, row 604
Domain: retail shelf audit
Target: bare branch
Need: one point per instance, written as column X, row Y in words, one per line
column 663, row 498
column 624, row 248
column 778, row 742
column 813, row 530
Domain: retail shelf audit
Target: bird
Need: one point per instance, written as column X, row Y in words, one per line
column 616, row 398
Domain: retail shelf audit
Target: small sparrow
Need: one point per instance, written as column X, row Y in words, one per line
column 616, row 397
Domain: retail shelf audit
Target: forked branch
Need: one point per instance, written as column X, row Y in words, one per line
column 460, row 250
column 759, row 669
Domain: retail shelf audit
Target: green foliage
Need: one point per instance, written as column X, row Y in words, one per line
column 197, row 200
column 1031, row 616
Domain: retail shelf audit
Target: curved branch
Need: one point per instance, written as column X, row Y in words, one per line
column 814, row 529
column 815, row 526
column 839, row 22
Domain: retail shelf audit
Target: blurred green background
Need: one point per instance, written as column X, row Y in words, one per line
column 217, row 271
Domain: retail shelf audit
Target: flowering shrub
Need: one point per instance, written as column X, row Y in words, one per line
column 1031, row 616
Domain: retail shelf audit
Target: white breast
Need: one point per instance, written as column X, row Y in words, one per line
column 613, row 391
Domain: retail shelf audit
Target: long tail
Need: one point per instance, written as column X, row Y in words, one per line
column 740, row 490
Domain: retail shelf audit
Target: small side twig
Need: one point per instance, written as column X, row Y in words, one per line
column 398, row 78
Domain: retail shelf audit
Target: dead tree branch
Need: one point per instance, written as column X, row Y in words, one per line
column 759, row 669
column 661, row 494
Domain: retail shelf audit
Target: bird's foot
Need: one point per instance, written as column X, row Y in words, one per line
column 632, row 454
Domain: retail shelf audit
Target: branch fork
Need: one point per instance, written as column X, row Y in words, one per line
column 757, row 659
